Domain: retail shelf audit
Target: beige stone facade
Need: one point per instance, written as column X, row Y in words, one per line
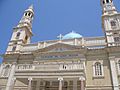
column 71, row 62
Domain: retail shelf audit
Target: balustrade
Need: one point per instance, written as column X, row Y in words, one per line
column 49, row 67
column 25, row 67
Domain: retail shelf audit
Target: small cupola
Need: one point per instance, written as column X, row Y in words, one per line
column 29, row 12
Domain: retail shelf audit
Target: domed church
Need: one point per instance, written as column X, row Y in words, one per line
column 71, row 62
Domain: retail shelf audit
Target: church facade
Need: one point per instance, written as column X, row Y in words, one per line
column 72, row 62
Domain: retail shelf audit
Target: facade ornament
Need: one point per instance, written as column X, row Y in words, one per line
column 82, row 78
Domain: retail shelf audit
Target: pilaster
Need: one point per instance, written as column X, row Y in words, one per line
column 10, row 82
column 13, row 83
column 114, row 73
column 1, row 68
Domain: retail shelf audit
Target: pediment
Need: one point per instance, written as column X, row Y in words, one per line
column 59, row 47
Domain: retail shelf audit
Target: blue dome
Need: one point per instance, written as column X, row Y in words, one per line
column 72, row 35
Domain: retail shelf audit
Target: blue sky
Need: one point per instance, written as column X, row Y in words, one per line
column 52, row 17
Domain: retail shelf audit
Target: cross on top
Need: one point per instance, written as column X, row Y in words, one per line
column 60, row 37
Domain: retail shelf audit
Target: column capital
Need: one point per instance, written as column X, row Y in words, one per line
column 60, row 78
column 82, row 78
column 29, row 83
column 14, row 78
column 30, row 78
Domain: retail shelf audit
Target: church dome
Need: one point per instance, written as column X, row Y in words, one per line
column 72, row 35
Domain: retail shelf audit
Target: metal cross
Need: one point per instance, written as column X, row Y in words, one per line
column 60, row 37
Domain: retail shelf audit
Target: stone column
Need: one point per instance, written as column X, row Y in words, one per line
column 83, row 42
column 82, row 84
column 1, row 68
column 44, row 44
column 114, row 73
column 30, row 83
column 75, row 84
column 75, row 41
column 60, row 83
column 10, row 78
column 13, row 84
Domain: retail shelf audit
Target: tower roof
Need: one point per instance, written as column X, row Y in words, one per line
column 30, row 9
column 108, row 7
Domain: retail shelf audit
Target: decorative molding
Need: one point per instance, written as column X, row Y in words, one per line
column 30, row 78
column 60, row 78
column 82, row 78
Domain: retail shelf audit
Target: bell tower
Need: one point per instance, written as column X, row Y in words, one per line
column 110, row 23
column 108, row 7
column 22, row 33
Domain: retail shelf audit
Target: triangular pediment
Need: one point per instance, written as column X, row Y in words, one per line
column 59, row 47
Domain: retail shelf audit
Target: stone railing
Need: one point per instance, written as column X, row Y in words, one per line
column 95, row 42
column 71, row 67
column 25, row 67
column 30, row 47
column 49, row 67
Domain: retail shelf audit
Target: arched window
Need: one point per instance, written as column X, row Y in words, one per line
column 18, row 35
column 29, row 14
column 113, row 23
column 25, row 14
column 15, row 43
column 14, row 48
column 47, row 83
column 107, row 1
column 117, row 39
column 98, row 69
column 103, row 2
column 26, row 37
column 65, row 83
